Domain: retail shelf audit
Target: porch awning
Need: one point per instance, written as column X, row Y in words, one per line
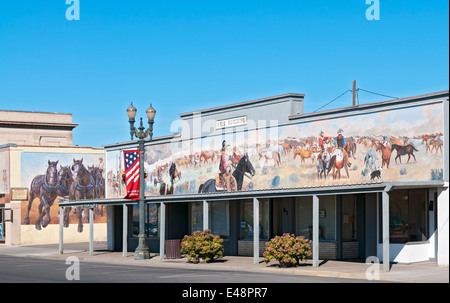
column 267, row 193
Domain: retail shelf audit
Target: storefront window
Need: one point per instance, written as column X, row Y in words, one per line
column 407, row 216
column 196, row 216
column 304, row 217
column 246, row 219
column 327, row 217
column 219, row 218
column 348, row 218
column 151, row 220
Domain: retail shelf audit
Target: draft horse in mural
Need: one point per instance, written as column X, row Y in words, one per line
column 243, row 167
column 83, row 188
column 46, row 188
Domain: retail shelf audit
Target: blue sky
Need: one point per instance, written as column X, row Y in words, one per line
column 182, row 56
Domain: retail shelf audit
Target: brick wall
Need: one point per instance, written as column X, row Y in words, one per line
column 350, row 250
column 327, row 250
column 245, row 248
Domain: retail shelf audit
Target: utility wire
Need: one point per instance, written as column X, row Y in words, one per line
column 377, row 93
column 349, row 90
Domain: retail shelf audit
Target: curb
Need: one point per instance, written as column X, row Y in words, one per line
column 212, row 266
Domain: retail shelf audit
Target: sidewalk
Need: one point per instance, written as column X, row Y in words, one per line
column 424, row 272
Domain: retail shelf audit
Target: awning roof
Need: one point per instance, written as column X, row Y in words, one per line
column 267, row 193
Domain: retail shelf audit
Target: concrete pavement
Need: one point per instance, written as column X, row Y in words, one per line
column 424, row 272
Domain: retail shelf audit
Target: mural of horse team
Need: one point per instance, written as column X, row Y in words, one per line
column 54, row 177
column 346, row 150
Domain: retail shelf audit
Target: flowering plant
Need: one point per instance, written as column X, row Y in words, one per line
column 288, row 250
column 202, row 245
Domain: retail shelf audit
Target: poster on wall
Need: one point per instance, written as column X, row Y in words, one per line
column 387, row 146
column 52, row 177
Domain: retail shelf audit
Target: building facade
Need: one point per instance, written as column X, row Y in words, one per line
column 34, row 146
column 36, row 128
column 368, row 180
column 35, row 180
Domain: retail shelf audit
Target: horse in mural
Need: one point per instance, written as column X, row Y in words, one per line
column 322, row 162
column 83, row 188
column 243, row 167
column 65, row 180
column 99, row 187
column 370, row 159
column 404, row 150
column 337, row 162
column 385, row 155
column 46, row 188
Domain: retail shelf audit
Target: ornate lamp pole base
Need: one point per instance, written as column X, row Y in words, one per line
column 142, row 251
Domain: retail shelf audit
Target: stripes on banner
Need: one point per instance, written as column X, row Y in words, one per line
column 131, row 159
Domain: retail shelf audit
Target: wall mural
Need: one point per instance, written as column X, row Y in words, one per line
column 393, row 145
column 52, row 177
column 4, row 172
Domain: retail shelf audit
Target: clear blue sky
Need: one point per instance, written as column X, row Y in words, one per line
column 187, row 55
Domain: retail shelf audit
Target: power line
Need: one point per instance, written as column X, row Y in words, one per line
column 377, row 93
column 349, row 90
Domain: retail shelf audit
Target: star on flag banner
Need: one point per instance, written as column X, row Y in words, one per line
column 131, row 159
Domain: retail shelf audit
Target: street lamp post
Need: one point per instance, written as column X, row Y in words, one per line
column 142, row 251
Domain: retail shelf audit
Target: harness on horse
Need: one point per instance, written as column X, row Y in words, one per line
column 85, row 188
column 47, row 187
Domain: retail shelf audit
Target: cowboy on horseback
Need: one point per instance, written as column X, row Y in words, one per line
column 341, row 143
column 322, row 141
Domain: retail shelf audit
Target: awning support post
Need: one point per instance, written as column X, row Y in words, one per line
column 205, row 215
column 61, row 229
column 385, row 229
column 255, row 231
column 125, row 231
column 162, row 233
column 91, row 231
column 315, row 231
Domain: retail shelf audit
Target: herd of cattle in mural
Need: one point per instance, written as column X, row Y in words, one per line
column 74, row 180
column 396, row 145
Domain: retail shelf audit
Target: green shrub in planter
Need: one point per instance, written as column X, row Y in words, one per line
column 288, row 250
column 202, row 245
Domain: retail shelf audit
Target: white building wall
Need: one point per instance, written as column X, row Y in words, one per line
column 442, row 226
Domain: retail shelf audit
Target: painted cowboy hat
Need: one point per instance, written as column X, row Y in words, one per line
column 340, row 131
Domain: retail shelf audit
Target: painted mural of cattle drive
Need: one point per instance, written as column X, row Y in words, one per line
column 403, row 144
column 62, row 179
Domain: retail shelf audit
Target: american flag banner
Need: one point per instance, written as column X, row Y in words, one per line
column 131, row 159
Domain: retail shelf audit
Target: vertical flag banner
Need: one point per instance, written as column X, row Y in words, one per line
column 131, row 160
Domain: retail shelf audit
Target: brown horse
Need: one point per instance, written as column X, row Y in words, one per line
column 404, row 150
column 350, row 148
column 207, row 157
column 46, row 188
column 385, row 155
column 432, row 141
column 83, row 188
column 303, row 153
